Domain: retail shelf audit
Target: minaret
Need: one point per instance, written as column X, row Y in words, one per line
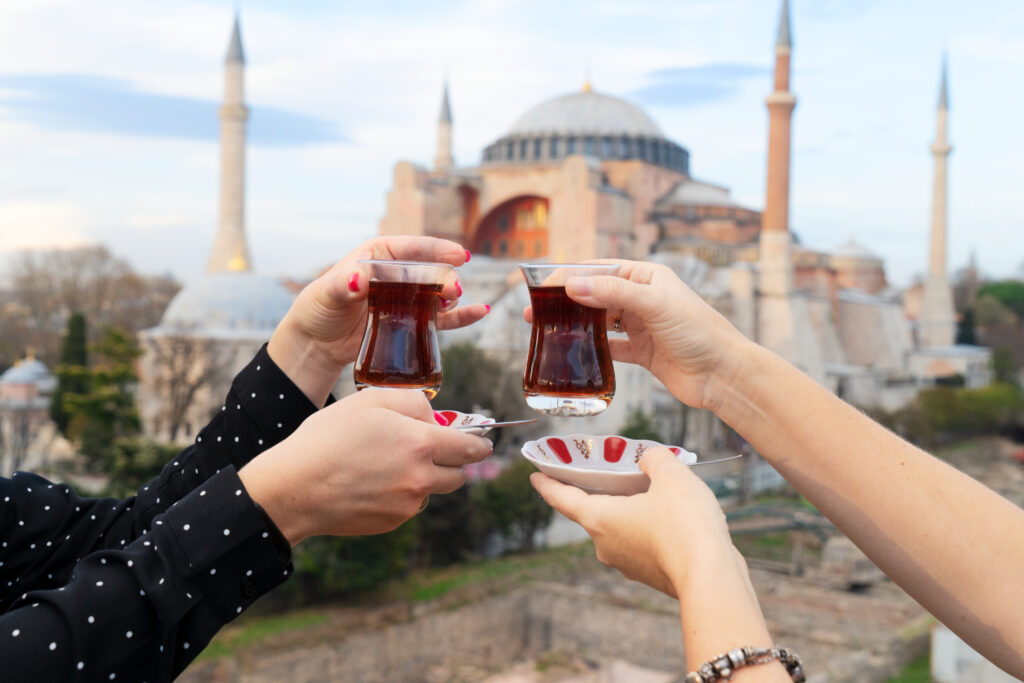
column 230, row 251
column 443, row 160
column 775, row 265
column 937, row 321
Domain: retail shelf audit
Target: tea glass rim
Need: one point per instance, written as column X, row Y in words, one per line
column 432, row 264
column 569, row 265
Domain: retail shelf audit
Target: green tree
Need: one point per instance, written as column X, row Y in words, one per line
column 132, row 462
column 640, row 425
column 513, row 506
column 74, row 360
column 450, row 529
column 965, row 328
column 1009, row 293
column 106, row 412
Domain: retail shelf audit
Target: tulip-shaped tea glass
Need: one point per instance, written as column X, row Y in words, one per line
column 569, row 369
column 399, row 348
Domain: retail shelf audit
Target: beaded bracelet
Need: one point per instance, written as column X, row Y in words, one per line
column 722, row 667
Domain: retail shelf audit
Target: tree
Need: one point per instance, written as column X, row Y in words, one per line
column 45, row 286
column 512, row 504
column 1009, row 293
column 74, row 358
column 131, row 462
column 639, row 425
column 179, row 366
column 106, row 412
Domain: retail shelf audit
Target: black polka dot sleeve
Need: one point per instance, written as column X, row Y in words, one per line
column 102, row 589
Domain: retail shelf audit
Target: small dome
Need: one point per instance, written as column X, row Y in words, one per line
column 854, row 250
column 228, row 305
column 28, row 371
column 584, row 113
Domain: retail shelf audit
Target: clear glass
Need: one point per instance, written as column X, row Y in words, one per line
column 569, row 369
column 400, row 349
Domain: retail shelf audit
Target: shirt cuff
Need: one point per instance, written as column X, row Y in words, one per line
column 271, row 399
column 230, row 550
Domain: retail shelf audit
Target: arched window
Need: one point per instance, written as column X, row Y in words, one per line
column 515, row 228
column 522, row 150
column 641, row 149
column 553, row 148
column 510, row 149
column 570, row 146
column 536, row 148
column 589, row 147
column 627, row 148
column 606, row 148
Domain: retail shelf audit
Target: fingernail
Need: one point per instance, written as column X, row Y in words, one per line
column 488, row 307
column 491, row 451
column 353, row 283
column 468, row 255
column 441, row 419
column 582, row 286
column 458, row 287
column 444, row 303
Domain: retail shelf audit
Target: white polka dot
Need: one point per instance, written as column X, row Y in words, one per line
column 113, row 676
column 265, row 534
column 47, row 507
column 199, row 438
column 185, row 645
column 16, row 632
column 223, row 407
column 80, row 665
column 32, row 546
column 159, row 522
column 249, row 573
column 227, row 532
column 279, row 425
column 142, row 592
column 103, row 560
column 212, row 572
column 48, row 544
column 257, row 368
column 146, row 543
column 238, row 492
column 187, row 527
column 161, row 582
column 281, row 396
column 202, row 493
column 236, row 439
column 218, row 439
column 92, row 620
column 128, row 634
column 53, row 646
column 99, row 583
column 239, row 610
column 254, row 394
column 130, row 563
column 20, row 523
column 92, row 516
column 175, row 463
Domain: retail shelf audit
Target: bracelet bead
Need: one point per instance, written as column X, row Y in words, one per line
column 722, row 667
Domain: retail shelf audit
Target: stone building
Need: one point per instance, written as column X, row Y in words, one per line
column 29, row 439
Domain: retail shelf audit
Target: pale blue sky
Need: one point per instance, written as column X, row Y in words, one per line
column 108, row 126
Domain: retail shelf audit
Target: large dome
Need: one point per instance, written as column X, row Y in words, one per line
column 227, row 305
column 584, row 113
column 589, row 123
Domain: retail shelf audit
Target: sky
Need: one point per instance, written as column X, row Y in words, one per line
column 108, row 126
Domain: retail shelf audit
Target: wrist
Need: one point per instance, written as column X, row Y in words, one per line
column 277, row 500
column 693, row 567
column 301, row 359
column 726, row 388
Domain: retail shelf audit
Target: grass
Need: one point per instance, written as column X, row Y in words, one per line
column 432, row 584
column 252, row 631
column 918, row 671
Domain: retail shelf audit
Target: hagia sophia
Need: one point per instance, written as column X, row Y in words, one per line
column 591, row 175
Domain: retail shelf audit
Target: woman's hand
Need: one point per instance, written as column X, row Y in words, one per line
column 672, row 332
column 322, row 331
column 361, row 466
column 659, row 537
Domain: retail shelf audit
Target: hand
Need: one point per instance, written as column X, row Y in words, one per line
column 671, row 331
column 360, row 466
column 323, row 329
column 663, row 537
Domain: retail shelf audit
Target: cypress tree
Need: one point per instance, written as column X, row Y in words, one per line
column 72, row 372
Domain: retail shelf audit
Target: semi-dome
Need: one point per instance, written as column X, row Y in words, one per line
column 586, row 112
column 242, row 304
column 855, row 250
column 29, row 371
column 589, row 123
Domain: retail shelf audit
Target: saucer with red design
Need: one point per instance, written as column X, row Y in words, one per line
column 457, row 419
column 599, row 464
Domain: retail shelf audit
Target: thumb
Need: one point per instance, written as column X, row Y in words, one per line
column 657, row 462
column 609, row 291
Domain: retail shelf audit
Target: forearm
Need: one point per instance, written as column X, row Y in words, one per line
column 306, row 366
column 954, row 545
column 719, row 612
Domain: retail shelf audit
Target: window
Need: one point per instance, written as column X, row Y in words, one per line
column 510, row 150
column 486, row 248
column 571, row 146
column 553, row 148
column 606, row 148
column 503, row 248
column 588, row 146
column 627, row 148
column 520, row 248
column 536, row 148
column 641, row 149
column 655, row 152
column 503, row 223
column 538, row 248
column 522, row 150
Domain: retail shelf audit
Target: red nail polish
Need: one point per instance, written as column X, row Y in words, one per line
column 491, row 452
column 353, row 283
column 458, row 287
column 441, row 419
column 488, row 307
column 468, row 256
column 444, row 303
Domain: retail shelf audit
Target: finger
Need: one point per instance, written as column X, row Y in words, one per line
column 462, row 316
column 448, row 479
column 409, row 402
column 453, row 448
column 609, row 291
column 622, row 350
column 452, row 288
column 528, row 314
column 569, row 500
column 407, row 248
column 656, row 462
column 342, row 284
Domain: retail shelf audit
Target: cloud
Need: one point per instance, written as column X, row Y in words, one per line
column 107, row 105
column 693, row 85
